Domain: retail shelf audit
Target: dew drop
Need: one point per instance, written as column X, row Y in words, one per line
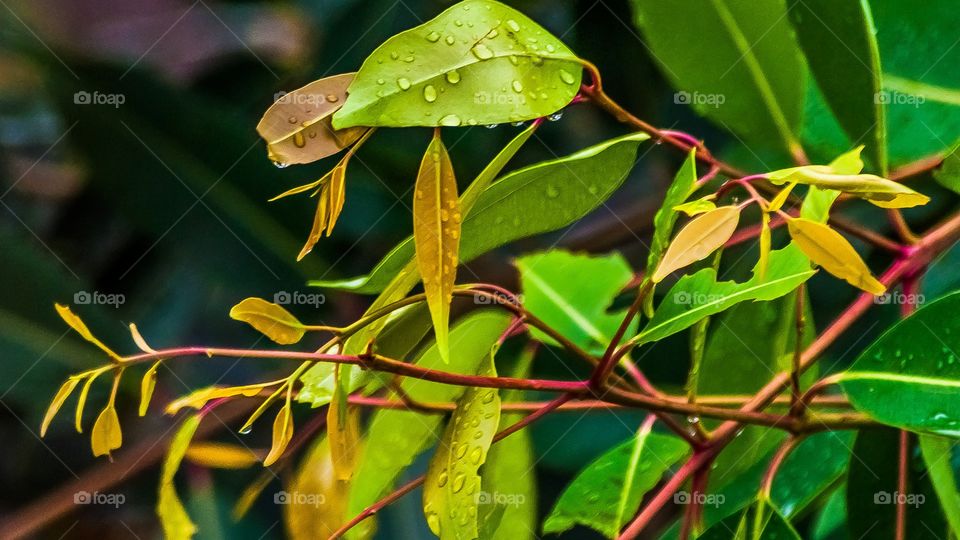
column 491, row 126
column 517, row 86
column 450, row 120
column 461, row 451
column 458, row 22
column 555, row 116
column 516, row 124
column 512, row 25
column 429, row 93
column 292, row 119
column 394, row 55
column 482, row 52
column 380, row 81
column 247, row 429
column 476, row 455
column 279, row 165
column 492, row 34
column 298, row 140
column 403, row 83
column 453, row 76
column 552, row 192
column 332, row 98
column 458, row 482
column 433, row 37
column 566, row 77
column 450, row 40
column 442, row 478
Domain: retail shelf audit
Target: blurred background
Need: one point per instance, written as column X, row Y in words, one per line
column 133, row 186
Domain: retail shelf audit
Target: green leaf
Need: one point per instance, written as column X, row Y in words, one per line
column 838, row 39
column 873, row 492
column 396, row 437
column 910, row 376
column 948, row 175
column 478, row 62
column 683, row 186
column 453, row 490
column 173, row 517
column 700, row 295
column 760, row 521
column 533, row 200
column 937, row 454
column 554, row 289
column 735, row 61
column 601, row 497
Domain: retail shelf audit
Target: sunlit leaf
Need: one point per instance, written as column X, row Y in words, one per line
column 937, row 455
column 697, row 206
column 436, row 234
column 452, row 484
column 683, row 185
column 282, row 433
column 776, row 203
column 106, row 434
column 699, row 238
column 879, row 191
column 138, row 339
column 198, row 398
column 62, row 394
column 343, row 434
column 607, row 493
column 827, row 248
column 173, row 516
column 147, row 385
column 221, row 455
column 268, row 318
column 297, row 126
column 478, row 62
column 77, row 324
column 764, row 242
column 82, row 400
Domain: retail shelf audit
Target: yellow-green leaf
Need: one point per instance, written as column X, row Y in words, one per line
column 827, row 248
column 343, row 430
column 147, row 384
column 62, row 394
column 320, row 220
column 198, row 398
column 764, row 241
column 138, row 339
column 106, row 434
column 436, row 235
column 282, row 433
column 698, row 239
column 173, row 516
column 77, row 324
column 268, row 318
column 297, row 126
column 315, row 504
column 221, row 455
column 777, row 202
column 452, row 488
column 697, row 206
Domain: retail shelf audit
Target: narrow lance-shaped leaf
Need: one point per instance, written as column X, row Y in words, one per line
column 61, row 396
column 221, row 455
column 698, row 239
column 478, row 62
column 321, row 513
column 268, row 318
column 695, row 207
column 343, row 432
column 77, row 324
column 282, row 434
column 937, row 455
column 764, row 242
column 436, row 233
column 82, row 399
column 173, row 516
column 452, row 488
column 827, row 248
column 198, row 398
column 297, row 126
column 147, row 384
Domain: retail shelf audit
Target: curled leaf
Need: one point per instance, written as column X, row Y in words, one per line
column 297, row 126
column 221, row 456
column 82, row 400
column 282, row 433
column 173, row 516
column 62, row 394
column 77, row 324
column 697, row 206
column 436, row 235
column 777, row 202
column 147, row 384
column 138, row 339
column 698, row 239
column 106, row 434
column 268, row 318
column 329, row 204
column 199, row 398
column 827, row 248
column 764, row 241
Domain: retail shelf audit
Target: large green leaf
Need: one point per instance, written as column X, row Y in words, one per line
column 478, row 62
column 910, row 376
column 700, row 295
column 873, row 493
column 607, row 493
column 948, row 175
column 683, row 185
column 735, row 61
column 532, row 200
column 937, row 456
column 554, row 289
column 396, row 437
column 841, row 49
column 760, row 521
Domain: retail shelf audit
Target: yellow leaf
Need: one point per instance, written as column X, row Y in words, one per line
column 106, row 434
column 268, row 318
column 319, row 221
column 65, row 390
column 315, row 500
column 250, row 494
column 221, row 455
column 138, row 339
column 147, row 384
column 436, row 235
column 825, row 247
column 282, row 433
column 777, row 202
column 343, row 430
column 82, row 400
column 338, row 184
column 173, row 516
column 303, row 188
column 696, row 207
column 698, row 239
column 81, row 328
column 764, row 245
column 297, row 126
column 198, row 398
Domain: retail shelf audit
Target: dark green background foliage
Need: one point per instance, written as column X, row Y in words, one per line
column 162, row 199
